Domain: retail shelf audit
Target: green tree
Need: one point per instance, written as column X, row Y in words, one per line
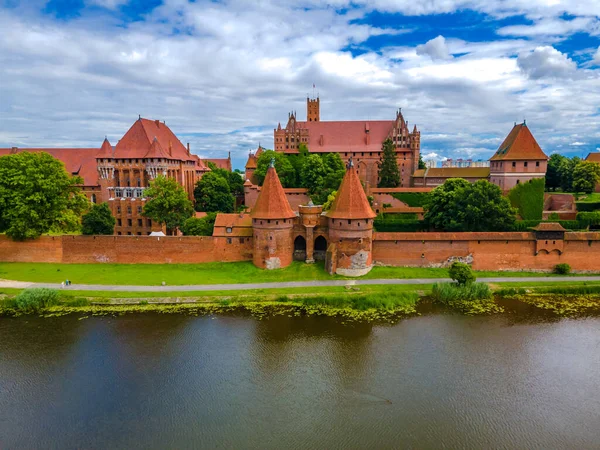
column 202, row 226
column 586, row 175
column 98, row 220
column 389, row 175
column 313, row 174
column 37, row 195
column 330, row 198
column 565, row 170
column 458, row 205
column 461, row 273
column 553, row 171
column 297, row 161
column 421, row 162
column 285, row 170
column 167, row 203
column 212, row 194
column 234, row 180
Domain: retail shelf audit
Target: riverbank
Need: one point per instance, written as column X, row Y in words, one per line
column 368, row 303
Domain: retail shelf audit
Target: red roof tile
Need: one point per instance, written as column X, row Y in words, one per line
column 137, row 141
column 78, row 161
column 549, row 226
column 519, row 145
column 346, row 136
column 351, row 201
column 272, row 202
column 240, row 225
column 594, row 157
column 106, row 151
column 221, row 163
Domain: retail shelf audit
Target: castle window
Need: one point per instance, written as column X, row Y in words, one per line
column 139, row 209
column 228, row 230
column 277, row 222
column 129, row 222
column 118, row 233
column 525, row 164
column 129, row 233
column 129, row 210
column 119, row 222
column 118, row 210
column 149, row 222
column 349, row 222
column 537, row 164
column 229, row 240
column 269, row 221
column 241, row 240
column 93, row 198
column 140, row 223
column 270, row 238
column 518, row 182
column 139, row 233
column 514, row 164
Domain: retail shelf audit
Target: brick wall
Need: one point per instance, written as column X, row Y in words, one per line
column 127, row 249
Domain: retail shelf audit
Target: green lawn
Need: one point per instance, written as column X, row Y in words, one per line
column 210, row 273
column 593, row 197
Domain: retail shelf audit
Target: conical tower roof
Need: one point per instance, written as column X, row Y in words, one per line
column 106, row 151
column 519, row 144
column 351, row 201
column 272, row 202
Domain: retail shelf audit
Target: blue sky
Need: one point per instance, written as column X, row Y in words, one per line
column 222, row 74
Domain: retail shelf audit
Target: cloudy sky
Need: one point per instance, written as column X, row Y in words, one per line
column 223, row 73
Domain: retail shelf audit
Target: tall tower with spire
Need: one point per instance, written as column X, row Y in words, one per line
column 272, row 224
column 312, row 109
column 350, row 218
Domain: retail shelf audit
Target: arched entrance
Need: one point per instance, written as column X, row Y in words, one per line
column 320, row 248
column 299, row 248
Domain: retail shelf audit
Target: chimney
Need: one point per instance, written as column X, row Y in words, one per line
column 157, row 122
column 188, row 148
column 14, row 150
column 170, row 148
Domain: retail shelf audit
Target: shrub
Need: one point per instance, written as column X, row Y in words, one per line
column 406, row 226
column 525, row 225
column 589, row 218
column 472, row 298
column 199, row 226
column 461, row 273
column 587, row 206
column 553, row 216
column 36, row 299
column 562, row 269
column 528, row 198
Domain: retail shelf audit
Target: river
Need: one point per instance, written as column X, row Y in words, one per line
column 173, row 381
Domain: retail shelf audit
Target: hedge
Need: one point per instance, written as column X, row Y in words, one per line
column 587, row 206
column 397, row 217
column 404, row 226
column 526, row 225
column 589, row 218
column 528, row 198
column 412, row 199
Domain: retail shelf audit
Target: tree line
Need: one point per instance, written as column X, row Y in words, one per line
column 572, row 174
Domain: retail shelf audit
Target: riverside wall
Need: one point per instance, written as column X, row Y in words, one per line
column 485, row 251
column 127, row 249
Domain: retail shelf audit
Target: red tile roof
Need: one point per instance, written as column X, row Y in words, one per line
column 221, row 163
column 78, row 161
column 272, row 202
column 137, row 142
column 351, row 201
column 594, row 157
column 347, row 136
column 549, row 226
column 240, row 224
column 519, row 145
column 453, row 172
column 106, row 150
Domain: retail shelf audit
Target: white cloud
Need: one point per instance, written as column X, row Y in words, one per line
column 435, row 48
column 546, row 62
column 577, row 144
column 597, row 57
column 108, row 4
column 551, row 27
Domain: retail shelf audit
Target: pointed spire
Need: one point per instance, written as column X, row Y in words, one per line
column 156, row 151
column 272, row 202
column 351, row 201
column 415, row 128
column 106, row 150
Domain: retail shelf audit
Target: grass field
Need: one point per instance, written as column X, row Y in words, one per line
column 209, row 273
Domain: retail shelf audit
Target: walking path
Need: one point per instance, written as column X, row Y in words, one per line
column 289, row 284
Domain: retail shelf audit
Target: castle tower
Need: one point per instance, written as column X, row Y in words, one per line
column 350, row 252
column 106, row 170
column 272, row 223
column 518, row 159
column 312, row 110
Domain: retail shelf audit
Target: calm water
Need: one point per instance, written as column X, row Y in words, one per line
column 170, row 381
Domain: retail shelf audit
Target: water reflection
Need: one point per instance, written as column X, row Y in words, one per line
column 171, row 381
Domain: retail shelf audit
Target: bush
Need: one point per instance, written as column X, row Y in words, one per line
column 461, row 273
column 589, row 218
column 36, row 299
column 528, row 198
column 587, row 206
column 562, row 269
column 199, row 226
column 525, row 225
column 98, row 220
column 472, row 298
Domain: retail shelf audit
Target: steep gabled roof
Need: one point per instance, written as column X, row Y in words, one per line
column 137, row 141
column 594, row 157
column 272, row 202
column 519, row 145
column 221, row 163
column 351, row 201
column 156, row 151
column 346, row 136
column 78, row 161
column 549, row 226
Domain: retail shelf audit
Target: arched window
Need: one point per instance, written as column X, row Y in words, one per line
column 93, row 198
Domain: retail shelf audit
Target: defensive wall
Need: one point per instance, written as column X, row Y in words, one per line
column 485, row 251
column 127, row 249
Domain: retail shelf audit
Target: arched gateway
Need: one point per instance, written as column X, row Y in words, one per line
column 299, row 248
column 320, row 248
